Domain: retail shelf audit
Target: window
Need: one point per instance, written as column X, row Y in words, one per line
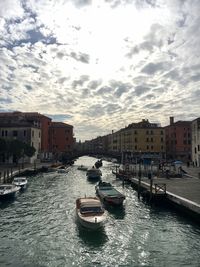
column 6, row 133
column 161, row 132
column 39, row 134
column 151, row 139
column 135, row 147
column 135, row 140
column 151, row 132
column 147, row 147
column 151, row 147
column 135, row 132
column 32, row 133
column 161, row 139
column 147, row 132
column 24, row 132
column 15, row 133
column 2, row 133
column 147, row 140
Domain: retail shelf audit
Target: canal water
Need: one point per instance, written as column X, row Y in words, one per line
column 39, row 229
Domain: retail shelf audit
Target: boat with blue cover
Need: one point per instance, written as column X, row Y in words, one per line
column 108, row 194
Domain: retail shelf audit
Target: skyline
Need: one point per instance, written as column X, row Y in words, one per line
column 101, row 65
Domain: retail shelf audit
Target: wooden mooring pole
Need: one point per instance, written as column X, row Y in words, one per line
column 151, row 189
column 139, row 181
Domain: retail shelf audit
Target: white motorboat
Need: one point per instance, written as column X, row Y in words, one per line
column 20, row 181
column 8, row 191
column 90, row 212
column 94, row 173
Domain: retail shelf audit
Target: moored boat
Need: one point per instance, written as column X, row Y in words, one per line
column 8, row 191
column 20, row 181
column 94, row 173
column 108, row 194
column 90, row 212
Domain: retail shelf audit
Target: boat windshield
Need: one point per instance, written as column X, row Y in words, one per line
column 96, row 209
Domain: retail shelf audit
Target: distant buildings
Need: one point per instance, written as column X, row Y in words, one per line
column 178, row 141
column 50, row 139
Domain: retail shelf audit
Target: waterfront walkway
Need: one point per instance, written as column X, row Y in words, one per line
column 183, row 193
column 9, row 171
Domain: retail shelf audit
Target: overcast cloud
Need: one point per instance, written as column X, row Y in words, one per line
column 101, row 65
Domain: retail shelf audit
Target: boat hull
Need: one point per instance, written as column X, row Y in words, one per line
column 92, row 223
column 9, row 192
column 90, row 212
column 110, row 200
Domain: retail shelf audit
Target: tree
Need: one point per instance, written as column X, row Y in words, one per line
column 15, row 148
column 29, row 151
column 3, row 146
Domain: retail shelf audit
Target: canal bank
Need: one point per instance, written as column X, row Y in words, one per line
column 179, row 193
column 7, row 172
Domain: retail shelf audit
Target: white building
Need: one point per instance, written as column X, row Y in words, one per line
column 24, row 131
column 196, row 142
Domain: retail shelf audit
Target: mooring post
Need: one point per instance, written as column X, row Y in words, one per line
column 139, row 179
column 151, row 188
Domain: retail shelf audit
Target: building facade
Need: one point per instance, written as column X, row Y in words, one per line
column 142, row 138
column 45, row 123
column 61, row 138
column 20, row 128
column 178, row 140
column 196, row 142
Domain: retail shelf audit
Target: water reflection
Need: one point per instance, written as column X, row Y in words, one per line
column 92, row 238
column 6, row 202
column 118, row 212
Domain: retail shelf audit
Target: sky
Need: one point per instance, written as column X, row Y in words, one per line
column 100, row 65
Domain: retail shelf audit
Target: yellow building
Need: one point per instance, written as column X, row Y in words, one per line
column 142, row 137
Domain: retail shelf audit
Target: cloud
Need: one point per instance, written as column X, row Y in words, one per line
column 152, row 68
column 140, row 90
column 84, row 58
column 81, row 81
column 81, row 63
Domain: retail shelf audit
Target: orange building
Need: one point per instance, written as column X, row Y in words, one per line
column 61, row 137
column 178, row 140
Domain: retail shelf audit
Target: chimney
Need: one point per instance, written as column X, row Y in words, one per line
column 171, row 120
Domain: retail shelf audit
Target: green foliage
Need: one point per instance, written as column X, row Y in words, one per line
column 16, row 147
column 3, row 146
column 29, row 151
